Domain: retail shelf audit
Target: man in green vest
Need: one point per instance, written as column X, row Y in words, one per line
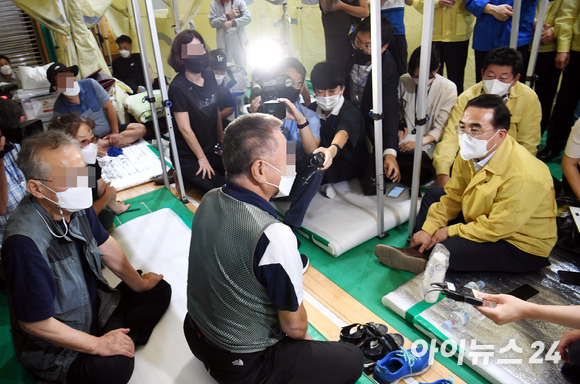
column 245, row 317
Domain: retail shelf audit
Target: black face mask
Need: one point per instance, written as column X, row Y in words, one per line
column 196, row 64
column 290, row 93
column 361, row 57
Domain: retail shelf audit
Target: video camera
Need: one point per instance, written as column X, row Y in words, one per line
column 271, row 87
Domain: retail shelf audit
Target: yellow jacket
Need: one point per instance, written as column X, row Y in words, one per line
column 526, row 113
column 450, row 24
column 512, row 198
column 567, row 26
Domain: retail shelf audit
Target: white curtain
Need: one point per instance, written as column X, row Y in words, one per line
column 67, row 18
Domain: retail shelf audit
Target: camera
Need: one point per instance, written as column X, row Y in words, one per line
column 271, row 87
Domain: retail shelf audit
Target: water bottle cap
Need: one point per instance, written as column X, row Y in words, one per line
column 447, row 324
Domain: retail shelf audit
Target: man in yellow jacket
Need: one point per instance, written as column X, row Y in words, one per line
column 501, row 72
column 498, row 211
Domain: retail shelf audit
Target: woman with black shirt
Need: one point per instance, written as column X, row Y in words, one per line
column 193, row 94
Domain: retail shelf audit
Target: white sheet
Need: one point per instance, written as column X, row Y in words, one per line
column 350, row 218
column 159, row 242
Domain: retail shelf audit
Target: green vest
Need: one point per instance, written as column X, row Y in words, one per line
column 224, row 298
column 72, row 305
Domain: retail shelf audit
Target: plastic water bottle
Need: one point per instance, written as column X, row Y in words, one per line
column 457, row 319
column 435, row 272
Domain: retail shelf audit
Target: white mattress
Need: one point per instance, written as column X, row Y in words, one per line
column 350, row 218
column 159, row 242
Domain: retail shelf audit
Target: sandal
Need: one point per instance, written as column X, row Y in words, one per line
column 353, row 334
column 375, row 348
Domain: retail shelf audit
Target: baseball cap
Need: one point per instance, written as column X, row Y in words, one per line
column 217, row 60
column 57, row 68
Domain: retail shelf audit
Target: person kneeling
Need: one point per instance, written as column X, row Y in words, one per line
column 342, row 124
column 68, row 324
column 497, row 212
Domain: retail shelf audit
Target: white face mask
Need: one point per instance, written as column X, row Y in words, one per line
column 327, row 103
column 472, row 148
column 285, row 185
column 89, row 153
column 220, row 79
column 124, row 53
column 496, row 87
column 75, row 90
column 73, row 199
column 6, row 70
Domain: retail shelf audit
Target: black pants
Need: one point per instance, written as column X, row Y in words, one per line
column 190, row 166
column 563, row 115
column 398, row 48
column 138, row 311
column 288, row 361
column 305, row 187
column 453, row 57
column 406, row 160
column 471, row 256
column 547, row 84
column 480, row 57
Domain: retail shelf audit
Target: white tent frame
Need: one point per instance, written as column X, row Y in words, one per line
column 163, row 87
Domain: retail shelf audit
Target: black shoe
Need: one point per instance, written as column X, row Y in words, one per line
column 547, row 154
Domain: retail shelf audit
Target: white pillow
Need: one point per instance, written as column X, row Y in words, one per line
column 34, row 77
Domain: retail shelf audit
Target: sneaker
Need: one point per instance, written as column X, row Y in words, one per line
column 449, row 380
column 328, row 191
column 305, row 263
column 400, row 364
column 406, row 259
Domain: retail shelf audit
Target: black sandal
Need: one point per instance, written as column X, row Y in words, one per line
column 375, row 348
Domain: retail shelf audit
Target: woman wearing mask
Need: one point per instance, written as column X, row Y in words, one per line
column 81, row 128
column 193, row 93
column 7, row 74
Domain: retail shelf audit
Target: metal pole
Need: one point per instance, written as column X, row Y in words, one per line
column 175, row 16
column 515, row 24
column 377, row 81
column 148, row 85
column 165, row 98
column 421, row 107
column 106, row 37
column 536, row 41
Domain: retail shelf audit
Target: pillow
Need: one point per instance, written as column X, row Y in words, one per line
column 34, row 77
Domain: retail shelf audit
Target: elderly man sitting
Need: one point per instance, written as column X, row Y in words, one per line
column 504, row 194
column 68, row 324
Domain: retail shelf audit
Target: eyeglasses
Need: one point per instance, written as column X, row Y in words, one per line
column 471, row 131
column 359, row 44
column 297, row 83
column 86, row 142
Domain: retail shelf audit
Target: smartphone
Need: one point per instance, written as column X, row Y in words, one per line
column 525, row 292
column 569, row 277
column 395, row 192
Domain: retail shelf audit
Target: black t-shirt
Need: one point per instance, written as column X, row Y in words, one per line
column 202, row 105
column 350, row 120
column 129, row 71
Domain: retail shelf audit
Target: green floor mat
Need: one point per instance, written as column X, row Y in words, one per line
column 362, row 276
column 153, row 201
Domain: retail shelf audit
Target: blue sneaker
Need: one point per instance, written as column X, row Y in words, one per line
column 449, row 380
column 401, row 363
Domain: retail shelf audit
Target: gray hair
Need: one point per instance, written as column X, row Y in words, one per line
column 248, row 138
column 29, row 160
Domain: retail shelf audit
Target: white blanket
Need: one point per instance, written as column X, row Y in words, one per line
column 159, row 242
